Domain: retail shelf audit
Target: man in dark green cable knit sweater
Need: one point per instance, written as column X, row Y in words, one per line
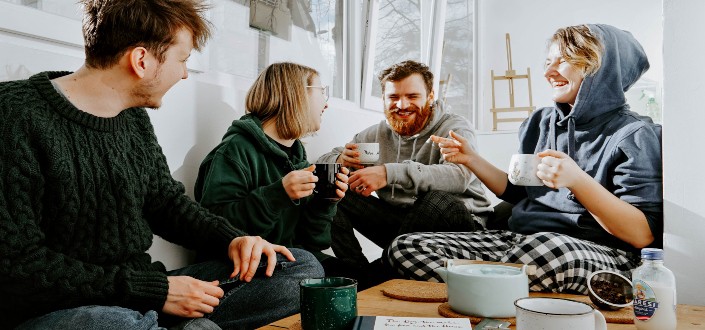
column 84, row 185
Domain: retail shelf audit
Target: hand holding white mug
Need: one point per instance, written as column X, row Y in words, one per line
column 357, row 155
column 558, row 170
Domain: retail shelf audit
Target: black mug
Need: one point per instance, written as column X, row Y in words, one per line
column 326, row 187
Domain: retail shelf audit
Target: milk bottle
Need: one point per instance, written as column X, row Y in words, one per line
column 654, row 289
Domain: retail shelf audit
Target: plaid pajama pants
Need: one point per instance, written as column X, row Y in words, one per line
column 563, row 262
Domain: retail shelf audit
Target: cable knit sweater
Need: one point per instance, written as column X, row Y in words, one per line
column 80, row 197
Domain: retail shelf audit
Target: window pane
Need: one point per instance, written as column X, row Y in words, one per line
column 398, row 35
column 457, row 59
column 327, row 17
column 59, row 7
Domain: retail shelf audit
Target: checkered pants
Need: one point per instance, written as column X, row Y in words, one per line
column 563, row 262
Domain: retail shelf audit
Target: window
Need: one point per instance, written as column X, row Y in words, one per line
column 457, row 87
column 328, row 25
column 400, row 30
column 59, row 7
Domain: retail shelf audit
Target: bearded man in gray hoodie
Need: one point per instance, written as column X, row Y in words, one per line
column 417, row 190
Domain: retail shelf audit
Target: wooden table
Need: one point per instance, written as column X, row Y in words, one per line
column 373, row 302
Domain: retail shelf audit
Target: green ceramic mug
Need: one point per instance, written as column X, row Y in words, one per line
column 328, row 303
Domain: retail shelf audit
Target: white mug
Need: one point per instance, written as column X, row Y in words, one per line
column 523, row 168
column 369, row 152
column 557, row 314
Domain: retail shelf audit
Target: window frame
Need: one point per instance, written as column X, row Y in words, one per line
column 430, row 46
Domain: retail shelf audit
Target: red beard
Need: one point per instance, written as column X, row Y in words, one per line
column 409, row 128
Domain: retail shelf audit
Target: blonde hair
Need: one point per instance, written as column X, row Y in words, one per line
column 279, row 93
column 579, row 47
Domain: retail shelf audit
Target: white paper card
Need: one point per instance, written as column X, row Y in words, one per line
column 393, row 322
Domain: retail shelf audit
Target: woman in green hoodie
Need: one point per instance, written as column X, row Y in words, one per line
column 258, row 176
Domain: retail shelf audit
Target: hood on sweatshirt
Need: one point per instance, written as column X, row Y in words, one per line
column 251, row 126
column 623, row 63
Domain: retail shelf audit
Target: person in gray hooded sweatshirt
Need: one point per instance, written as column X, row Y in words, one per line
column 417, row 189
column 600, row 163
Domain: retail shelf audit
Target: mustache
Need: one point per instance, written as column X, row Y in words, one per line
column 411, row 107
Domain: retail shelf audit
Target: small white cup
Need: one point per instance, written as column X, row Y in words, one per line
column 369, row 152
column 523, row 168
column 557, row 314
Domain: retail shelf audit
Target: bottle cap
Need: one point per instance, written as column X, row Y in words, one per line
column 652, row 254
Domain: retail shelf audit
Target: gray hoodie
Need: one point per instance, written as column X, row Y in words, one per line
column 415, row 165
column 617, row 147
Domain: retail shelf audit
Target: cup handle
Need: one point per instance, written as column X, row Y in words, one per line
column 600, row 322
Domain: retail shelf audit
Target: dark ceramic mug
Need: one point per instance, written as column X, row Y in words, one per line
column 328, row 303
column 326, row 187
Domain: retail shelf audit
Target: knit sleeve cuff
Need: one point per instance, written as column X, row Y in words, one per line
column 222, row 236
column 146, row 290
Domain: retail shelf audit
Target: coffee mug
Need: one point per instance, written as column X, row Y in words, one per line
column 328, row 303
column 369, row 152
column 557, row 314
column 325, row 187
column 523, row 168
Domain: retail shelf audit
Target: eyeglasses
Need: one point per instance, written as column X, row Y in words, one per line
column 324, row 91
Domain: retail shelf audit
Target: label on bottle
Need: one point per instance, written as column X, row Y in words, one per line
column 645, row 302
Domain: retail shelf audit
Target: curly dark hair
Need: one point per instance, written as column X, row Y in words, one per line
column 111, row 27
column 404, row 69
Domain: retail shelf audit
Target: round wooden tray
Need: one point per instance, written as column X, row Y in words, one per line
column 445, row 310
column 419, row 291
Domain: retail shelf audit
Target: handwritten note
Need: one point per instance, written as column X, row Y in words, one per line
column 392, row 322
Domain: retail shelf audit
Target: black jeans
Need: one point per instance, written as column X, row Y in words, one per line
column 381, row 222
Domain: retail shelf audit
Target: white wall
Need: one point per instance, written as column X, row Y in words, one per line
column 531, row 24
column 683, row 156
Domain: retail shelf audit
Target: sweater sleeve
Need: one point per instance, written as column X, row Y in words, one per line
column 35, row 278
column 177, row 218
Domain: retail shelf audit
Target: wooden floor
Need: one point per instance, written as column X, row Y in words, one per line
column 373, row 302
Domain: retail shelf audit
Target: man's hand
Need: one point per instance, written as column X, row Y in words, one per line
column 300, row 183
column 455, row 149
column 368, row 180
column 350, row 157
column 246, row 252
column 190, row 297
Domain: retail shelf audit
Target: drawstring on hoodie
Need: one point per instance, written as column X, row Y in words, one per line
column 571, row 135
column 571, row 141
column 413, row 152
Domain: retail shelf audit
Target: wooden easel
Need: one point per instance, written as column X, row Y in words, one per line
column 510, row 75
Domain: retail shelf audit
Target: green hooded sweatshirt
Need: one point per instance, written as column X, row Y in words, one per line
column 241, row 180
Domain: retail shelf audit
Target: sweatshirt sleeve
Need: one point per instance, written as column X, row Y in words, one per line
column 313, row 232
column 513, row 194
column 443, row 176
column 332, row 156
column 227, row 192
